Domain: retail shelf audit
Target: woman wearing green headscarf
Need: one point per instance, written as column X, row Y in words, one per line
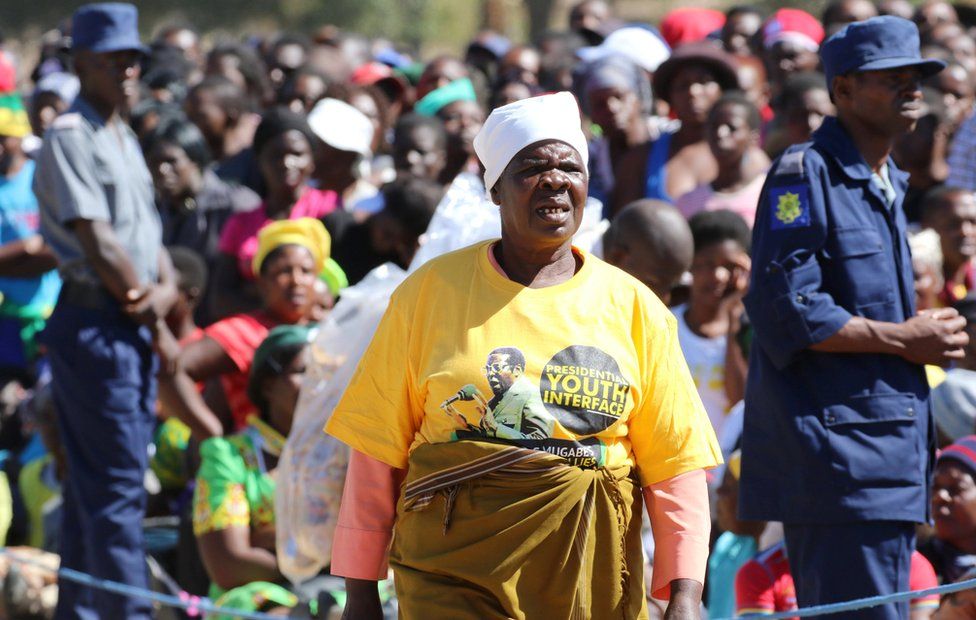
column 233, row 504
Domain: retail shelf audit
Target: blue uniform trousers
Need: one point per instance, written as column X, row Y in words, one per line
column 103, row 378
column 842, row 562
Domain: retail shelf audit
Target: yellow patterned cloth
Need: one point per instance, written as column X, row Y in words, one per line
column 169, row 461
column 232, row 487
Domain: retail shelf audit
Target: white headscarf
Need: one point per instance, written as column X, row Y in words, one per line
column 511, row 128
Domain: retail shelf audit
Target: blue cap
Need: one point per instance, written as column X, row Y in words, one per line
column 495, row 44
column 106, row 27
column 885, row 42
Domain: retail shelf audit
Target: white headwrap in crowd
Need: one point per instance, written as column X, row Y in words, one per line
column 511, row 128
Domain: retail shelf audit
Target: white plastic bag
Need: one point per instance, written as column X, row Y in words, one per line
column 312, row 467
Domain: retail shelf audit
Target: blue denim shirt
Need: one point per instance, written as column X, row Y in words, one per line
column 830, row 437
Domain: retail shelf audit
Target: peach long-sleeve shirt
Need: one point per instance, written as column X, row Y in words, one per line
column 677, row 507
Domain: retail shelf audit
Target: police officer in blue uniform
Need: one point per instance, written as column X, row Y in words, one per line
column 838, row 440
column 98, row 214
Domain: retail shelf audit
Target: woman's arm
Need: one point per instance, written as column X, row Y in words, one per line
column 366, row 517
column 199, row 361
column 179, row 398
column 205, row 359
column 362, row 537
column 681, row 522
column 232, row 561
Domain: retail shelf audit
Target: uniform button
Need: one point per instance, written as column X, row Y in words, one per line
column 772, row 269
column 911, row 411
column 830, row 419
column 800, row 299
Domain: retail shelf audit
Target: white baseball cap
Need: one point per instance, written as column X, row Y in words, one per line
column 639, row 45
column 341, row 126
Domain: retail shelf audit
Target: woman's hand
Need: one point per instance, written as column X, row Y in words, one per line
column 362, row 600
column 685, row 602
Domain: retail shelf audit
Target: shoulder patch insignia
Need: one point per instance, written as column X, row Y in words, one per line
column 790, row 164
column 69, row 120
column 789, row 207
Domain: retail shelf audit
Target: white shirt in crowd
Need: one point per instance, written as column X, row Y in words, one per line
column 706, row 360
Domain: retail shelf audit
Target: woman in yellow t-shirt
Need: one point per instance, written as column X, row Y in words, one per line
column 527, row 395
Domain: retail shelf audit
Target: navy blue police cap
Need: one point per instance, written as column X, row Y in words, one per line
column 106, row 27
column 885, row 42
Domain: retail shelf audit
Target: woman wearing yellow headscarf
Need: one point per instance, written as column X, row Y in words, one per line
column 290, row 256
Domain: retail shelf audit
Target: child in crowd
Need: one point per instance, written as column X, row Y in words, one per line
column 191, row 282
column 951, row 212
column 169, row 460
column 799, row 111
column 40, row 480
column 709, row 322
column 650, row 240
column 732, row 131
column 734, row 546
column 392, row 234
column 954, row 400
column 953, row 549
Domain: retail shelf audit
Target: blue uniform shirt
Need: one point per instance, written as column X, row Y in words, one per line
column 93, row 170
column 831, row 438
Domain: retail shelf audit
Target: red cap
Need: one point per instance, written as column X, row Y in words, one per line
column 688, row 25
column 8, row 74
column 795, row 25
column 383, row 76
column 370, row 73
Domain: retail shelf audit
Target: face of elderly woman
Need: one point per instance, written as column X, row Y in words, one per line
column 541, row 194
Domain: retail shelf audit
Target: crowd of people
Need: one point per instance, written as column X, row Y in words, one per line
column 178, row 219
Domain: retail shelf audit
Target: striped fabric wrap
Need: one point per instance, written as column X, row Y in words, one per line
column 488, row 530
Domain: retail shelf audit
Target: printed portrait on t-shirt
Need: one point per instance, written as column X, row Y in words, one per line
column 580, row 389
column 515, row 410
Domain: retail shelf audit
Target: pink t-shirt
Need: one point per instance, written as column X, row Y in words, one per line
column 742, row 202
column 239, row 238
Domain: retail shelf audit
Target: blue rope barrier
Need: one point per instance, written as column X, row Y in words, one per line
column 861, row 603
column 203, row 605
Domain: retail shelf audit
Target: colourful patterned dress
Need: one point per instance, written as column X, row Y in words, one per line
column 233, row 486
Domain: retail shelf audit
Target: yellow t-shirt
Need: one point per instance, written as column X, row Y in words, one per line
column 589, row 369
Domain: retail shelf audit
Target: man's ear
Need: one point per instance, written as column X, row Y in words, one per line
column 841, row 88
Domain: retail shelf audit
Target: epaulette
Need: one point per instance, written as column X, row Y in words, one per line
column 69, row 120
column 790, row 164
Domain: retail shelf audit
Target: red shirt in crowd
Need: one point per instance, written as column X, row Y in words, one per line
column 239, row 337
column 764, row 585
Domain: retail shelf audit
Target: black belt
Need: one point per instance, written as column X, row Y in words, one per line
column 87, row 295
